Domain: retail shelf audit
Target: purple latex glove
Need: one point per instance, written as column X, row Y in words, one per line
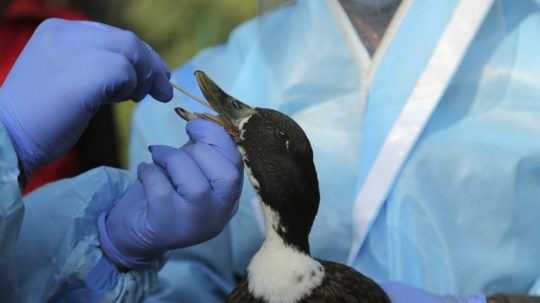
column 401, row 293
column 65, row 72
column 185, row 197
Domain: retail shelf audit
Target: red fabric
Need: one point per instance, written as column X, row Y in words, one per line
column 20, row 20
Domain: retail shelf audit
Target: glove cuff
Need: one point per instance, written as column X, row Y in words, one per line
column 478, row 298
column 113, row 253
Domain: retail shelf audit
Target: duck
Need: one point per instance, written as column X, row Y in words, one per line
column 278, row 158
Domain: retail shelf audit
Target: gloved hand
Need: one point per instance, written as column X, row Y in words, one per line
column 401, row 293
column 185, row 197
column 65, row 72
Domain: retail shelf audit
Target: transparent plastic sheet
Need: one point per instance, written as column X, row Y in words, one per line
column 370, row 18
column 58, row 243
column 458, row 218
column 12, row 212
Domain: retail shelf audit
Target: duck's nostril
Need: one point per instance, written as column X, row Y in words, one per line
column 236, row 105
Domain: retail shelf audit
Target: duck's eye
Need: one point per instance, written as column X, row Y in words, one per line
column 281, row 134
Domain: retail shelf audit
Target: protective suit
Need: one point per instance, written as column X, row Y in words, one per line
column 48, row 245
column 456, row 204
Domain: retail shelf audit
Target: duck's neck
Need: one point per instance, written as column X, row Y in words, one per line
column 289, row 232
column 282, row 269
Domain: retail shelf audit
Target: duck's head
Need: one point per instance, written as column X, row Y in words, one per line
column 278, row 158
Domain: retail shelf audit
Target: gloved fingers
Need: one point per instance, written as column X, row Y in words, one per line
column 159, row 90
column 225, row 178
column 158, row 190
column 119, row 85
column 152, row 72
column 155, row 181
column 158, row 59
column 190, row 182
column 215, row 135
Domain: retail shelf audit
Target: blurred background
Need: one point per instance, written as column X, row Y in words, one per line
column 176, row 29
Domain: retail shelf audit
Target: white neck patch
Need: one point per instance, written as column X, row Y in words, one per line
column 241, row 126
column 279, row 273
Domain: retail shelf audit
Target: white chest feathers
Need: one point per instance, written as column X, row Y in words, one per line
column 279, row 273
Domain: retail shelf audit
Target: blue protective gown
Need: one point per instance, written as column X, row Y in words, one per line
column 49, row 248
column 461, row 216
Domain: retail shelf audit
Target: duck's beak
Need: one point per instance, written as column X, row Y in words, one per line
column 230, row 110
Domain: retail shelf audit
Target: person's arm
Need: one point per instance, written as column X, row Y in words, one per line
column 67, row 70
column 101, row 237
column 58, row 257
column 51, row 245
